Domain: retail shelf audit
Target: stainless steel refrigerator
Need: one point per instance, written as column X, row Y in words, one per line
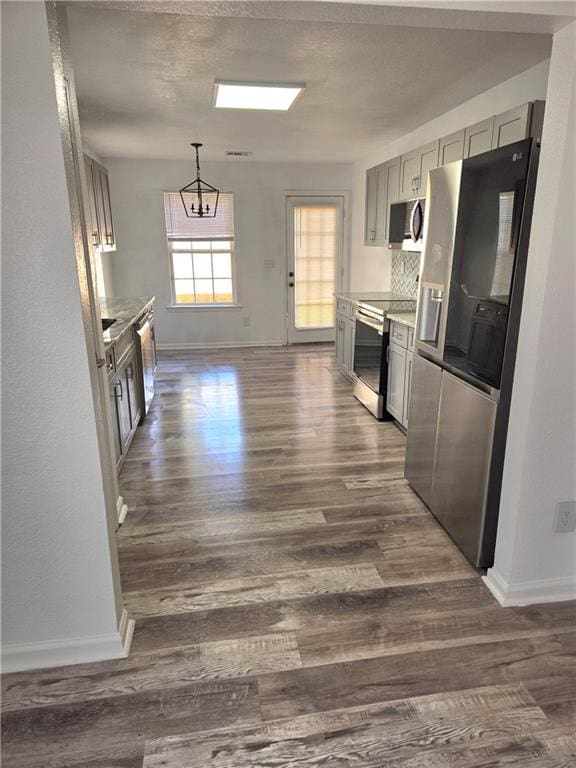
column 477, row 226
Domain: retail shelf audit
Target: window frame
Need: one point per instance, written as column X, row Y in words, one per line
column 205, row 304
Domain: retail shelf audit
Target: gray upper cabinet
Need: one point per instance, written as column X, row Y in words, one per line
column 409, row 171
column 381, row 189
column 370, row 223
column 392, row 182
column 451, row 148
column 478, row 137
column 99, row 214
column 511, row 126
column 414, row 167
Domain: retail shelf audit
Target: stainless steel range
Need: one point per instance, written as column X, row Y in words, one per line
column 371, row 351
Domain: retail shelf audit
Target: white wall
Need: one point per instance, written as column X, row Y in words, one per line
column 532, row 561
column 140, row 266
column 58, row 602
column 371, row 264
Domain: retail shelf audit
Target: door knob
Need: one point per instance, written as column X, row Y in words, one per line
column 291, row 284
column 290, row 274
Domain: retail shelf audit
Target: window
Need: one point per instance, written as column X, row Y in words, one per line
column 201, row 253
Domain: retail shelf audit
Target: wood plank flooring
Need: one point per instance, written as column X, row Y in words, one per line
column 295, row 603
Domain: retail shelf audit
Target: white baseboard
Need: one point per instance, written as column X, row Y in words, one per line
column 80, row 650
column 220, row 345
column 529, row 592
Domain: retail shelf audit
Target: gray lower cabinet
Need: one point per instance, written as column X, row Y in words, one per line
column 345, row 333
column 399, row 372
column 396, row 381
column 125, row 401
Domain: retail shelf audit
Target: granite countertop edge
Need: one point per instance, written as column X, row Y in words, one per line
column 406, row 318
column 126, row 310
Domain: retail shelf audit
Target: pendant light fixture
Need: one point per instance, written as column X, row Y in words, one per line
column 200, row 199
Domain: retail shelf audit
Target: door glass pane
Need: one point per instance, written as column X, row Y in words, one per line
column 182, row 263
column 204, row 293
column 184, row 291
column 315, row 249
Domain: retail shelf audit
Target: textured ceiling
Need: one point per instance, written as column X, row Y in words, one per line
column 144, row 81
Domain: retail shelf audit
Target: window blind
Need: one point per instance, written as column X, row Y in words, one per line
column 180, row 227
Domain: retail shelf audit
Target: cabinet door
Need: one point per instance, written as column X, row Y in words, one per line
column 392, row 182
column 478, row 137
column 133, row 391
column 428, row 161
column 511, row 126
column 407, row 386
column 339, row 341
column 371, row 206
column 396, row 374
column 349, row 331
column 451, row 148
column 114, row 393
column 94, row 233
column 409, row 172
column 108, row 238
column 123, row 406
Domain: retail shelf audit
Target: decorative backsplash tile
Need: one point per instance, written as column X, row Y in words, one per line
column 405, row 270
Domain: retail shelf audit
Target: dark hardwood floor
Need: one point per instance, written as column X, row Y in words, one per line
column 295, row 603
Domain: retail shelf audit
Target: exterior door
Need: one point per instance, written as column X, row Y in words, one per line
column 314, row 268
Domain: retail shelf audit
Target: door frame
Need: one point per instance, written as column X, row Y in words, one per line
column 344, row 270
column 90, row 304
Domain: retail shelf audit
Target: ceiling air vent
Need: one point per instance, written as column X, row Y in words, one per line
column 238, row 153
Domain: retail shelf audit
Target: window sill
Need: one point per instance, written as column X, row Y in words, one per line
column 202, row 307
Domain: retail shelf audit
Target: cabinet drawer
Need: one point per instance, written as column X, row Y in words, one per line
column 122, row 346
column 399, row 334
column 345, row 307
column 410, row 339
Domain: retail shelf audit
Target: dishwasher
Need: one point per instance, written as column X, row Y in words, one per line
column 147, row 343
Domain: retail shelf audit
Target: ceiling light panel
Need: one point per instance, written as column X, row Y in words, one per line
column 272, row 96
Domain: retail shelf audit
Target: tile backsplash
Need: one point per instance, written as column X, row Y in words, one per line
column 405, row 270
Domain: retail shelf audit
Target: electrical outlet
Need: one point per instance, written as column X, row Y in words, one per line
column 565, row 518
column 246, row 321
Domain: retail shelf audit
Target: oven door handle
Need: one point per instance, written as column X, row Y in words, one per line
column 374, row 324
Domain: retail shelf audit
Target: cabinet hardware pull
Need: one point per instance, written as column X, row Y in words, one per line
column 129, row 372
column 95, row 238
column 119, row 384
column 100, row 362
column 387, row 354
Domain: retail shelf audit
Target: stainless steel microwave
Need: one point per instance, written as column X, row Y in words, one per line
column 406, row 224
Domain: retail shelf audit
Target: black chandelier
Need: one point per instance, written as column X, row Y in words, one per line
column 200, row 199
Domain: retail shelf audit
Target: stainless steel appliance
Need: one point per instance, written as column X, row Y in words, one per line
column 372, row 334
column 477, row 227
column 147, row 342
column 406, row 224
